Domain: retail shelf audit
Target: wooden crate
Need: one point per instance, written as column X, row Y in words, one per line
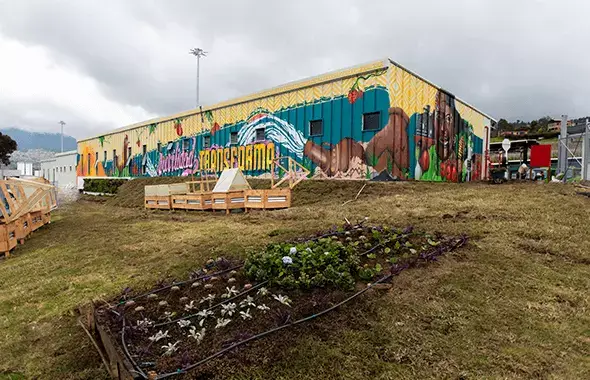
column 23, row 227
column 7, row 238
column 46, row 217
column 158, row 201
column 196, row 201
column 36, row 220
column 227, row 201
column 267, row 199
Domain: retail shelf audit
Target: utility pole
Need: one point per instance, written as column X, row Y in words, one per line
column 62, row 123
column 198, row 52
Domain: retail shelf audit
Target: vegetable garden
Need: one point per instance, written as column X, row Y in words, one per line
column 177, row 328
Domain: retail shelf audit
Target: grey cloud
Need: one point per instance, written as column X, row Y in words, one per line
column 505, row 57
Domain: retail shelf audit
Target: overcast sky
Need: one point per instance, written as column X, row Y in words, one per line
column 99, row 65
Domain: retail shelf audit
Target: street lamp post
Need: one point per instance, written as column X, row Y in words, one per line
column 62, row 123
column 198, row 52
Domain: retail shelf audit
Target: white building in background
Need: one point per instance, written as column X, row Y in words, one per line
column 61, row 169
column 25, row 168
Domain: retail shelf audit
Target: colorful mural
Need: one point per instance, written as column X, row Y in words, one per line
column 383, row 122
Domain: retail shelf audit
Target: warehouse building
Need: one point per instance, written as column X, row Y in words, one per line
column 373, row 120
column 60, row 170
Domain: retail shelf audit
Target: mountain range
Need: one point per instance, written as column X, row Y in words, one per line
column 39, row 140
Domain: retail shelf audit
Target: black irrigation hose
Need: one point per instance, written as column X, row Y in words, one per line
column 214, row 306
column 267, row 332
column 181, row 283
column 136, row 368
column 396, row 269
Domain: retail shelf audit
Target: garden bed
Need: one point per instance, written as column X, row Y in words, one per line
column 179, row 328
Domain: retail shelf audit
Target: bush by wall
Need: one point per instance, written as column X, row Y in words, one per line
column 104, row 186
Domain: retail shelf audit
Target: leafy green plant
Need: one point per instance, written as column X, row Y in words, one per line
column 105, row 186
column 325, row 262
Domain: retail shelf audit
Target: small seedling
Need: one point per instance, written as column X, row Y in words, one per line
column 282, row 299
column 197, row 335
column 222, row 323
column 170, row 348
column 159, row 336
column 228, row 309
column 245, row 314
column 249, row 301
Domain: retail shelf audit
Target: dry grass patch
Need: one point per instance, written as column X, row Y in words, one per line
column 512, row 304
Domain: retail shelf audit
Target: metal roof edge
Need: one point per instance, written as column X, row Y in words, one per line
column 273, row 91
column 438, row 87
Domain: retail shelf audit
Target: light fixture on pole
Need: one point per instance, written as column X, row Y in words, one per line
column 198, row 52
column 62, row 123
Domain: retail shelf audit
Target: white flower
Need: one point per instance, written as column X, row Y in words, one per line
column 308, row 250
column 293, row 251
column 228, row 309
column 183, row 323
column 159, row 335
column 326, row 253
column 263, row 308
column 282, row 299
column 222, row 322
column 230, row 292
column 169, row 349
column 249, row 301
column 262, row 292
column 144, row 324
column 210, row 298
column 287, row 260
column 168, row 315
column 197, row 335
column 245, row 314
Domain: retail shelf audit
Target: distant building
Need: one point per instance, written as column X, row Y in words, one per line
column 61, row 169
column 25, row 168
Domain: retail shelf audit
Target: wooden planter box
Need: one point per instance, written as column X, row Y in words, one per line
column 36, row 220
column 196, row 201
column 46, row 217
column 23, row 227
column 7, row 238
column 158, row 201
column 227, row 201
column 118, row 365
column 267, row 199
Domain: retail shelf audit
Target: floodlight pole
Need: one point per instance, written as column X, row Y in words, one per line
column 198, row 52
column 62, row 123
column 562, row 156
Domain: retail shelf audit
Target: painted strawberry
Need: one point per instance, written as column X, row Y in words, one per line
column 354, row 95
column 424, row 160
column 178, row 127
column 215, row 128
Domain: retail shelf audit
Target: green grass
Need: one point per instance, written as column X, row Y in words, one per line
column 512, row 304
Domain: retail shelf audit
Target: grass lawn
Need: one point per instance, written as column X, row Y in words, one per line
column 513, row 303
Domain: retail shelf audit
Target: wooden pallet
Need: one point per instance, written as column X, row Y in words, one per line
column 23, row 227
column 161, row 202
column 7, row 238
column 228, row 201
column 267, row 199
column 196, row 201
column 36, row 220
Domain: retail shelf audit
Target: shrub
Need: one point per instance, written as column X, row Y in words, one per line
column 326, row 262
column 105, row 186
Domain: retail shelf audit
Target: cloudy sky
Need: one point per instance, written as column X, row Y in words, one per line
column 100, row 65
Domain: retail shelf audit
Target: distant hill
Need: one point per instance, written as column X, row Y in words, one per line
column 37, row 140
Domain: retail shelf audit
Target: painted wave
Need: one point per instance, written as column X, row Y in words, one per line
column 276, row 130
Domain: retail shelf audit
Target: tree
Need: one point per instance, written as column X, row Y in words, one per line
column 503, row 125
column 7, row 146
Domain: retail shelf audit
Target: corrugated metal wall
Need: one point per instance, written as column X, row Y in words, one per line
column 390, row 99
